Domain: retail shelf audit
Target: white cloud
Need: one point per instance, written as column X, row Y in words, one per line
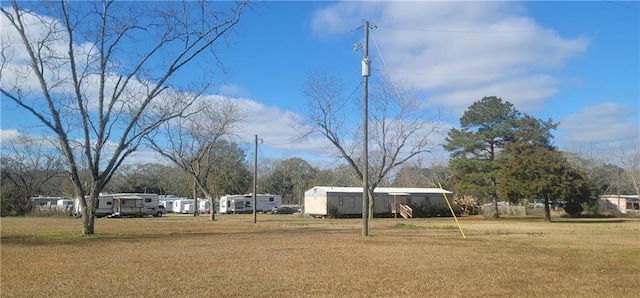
column 232, row 90
column 527, row 93
column 278, row 129
column 606, row 122
column 459, row 52
column 7, row 135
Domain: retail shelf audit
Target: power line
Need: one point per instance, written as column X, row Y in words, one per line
column 378, row 49
column 454, row 74
column 461, row 31
column 330, row 116
column 622, row 5
column 384, row 65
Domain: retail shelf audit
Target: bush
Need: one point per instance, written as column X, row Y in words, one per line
column 437, row 210
column 590, row 208
column 573, row 208
column 332, row 211
column 13, row 202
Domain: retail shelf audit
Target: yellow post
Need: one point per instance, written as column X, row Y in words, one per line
column 452, row 213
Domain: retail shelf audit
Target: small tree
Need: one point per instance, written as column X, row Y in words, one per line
column 290, row 178
column 533, row 169
column 192, row 143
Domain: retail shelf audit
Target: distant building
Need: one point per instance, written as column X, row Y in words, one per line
column 615, row 204
column 46, row 202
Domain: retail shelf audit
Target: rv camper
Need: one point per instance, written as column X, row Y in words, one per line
column 243, row 203
column 104, row 207
column 136, row 204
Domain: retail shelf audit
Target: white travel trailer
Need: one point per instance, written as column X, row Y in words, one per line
column 167, row 202
column 65, row 206
column 184, row 206
column 104, row 208
column 243, row 203
column 347, row 201
column 64, row 203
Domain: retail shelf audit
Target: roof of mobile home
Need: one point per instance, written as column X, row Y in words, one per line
column 390, row 190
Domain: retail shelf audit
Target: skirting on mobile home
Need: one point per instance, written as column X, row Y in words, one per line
column 348, row 200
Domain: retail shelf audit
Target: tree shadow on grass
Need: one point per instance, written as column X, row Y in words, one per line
column 76, row 239
column 592, row 220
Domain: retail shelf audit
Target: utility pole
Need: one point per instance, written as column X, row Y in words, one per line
column 619, row 208
column 195, row 198
column 255, row 180
column 365, row 132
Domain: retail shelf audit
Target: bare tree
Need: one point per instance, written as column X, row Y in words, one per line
column 290, row 178
column 399, row 129
column 628, row 156
column 102, row 75
column 30, row 165
column 190, row 143
column 417, row 175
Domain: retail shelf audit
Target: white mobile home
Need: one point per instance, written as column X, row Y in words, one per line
column 348, row 200
column 243, row 203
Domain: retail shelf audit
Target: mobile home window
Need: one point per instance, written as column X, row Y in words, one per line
column 427, row 200
column 340, row 201
column 270, row 199
column 108, row 203
column 147, row 200
column 352, row 202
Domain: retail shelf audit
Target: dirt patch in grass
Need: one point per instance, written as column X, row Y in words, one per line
column 179, row 256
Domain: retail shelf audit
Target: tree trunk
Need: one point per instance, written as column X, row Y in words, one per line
column 372, row 204
column 88, row 212
column 212, row 209
column 547, row 211
column 496, row 213
column 88, row 224
column 195, row 198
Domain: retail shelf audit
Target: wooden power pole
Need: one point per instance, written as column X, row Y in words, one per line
column 365, row 132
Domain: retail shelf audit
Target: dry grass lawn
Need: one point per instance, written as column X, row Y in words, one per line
column 289, row 256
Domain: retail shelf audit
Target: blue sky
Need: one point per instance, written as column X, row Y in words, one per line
column 575, row 62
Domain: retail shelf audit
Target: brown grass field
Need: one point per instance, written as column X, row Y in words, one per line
column 290, row 256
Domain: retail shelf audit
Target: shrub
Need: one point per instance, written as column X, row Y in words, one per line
column 467, row 205
column 437, row 210
column 573, row 208
column 13, row 202
column 332, row 211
